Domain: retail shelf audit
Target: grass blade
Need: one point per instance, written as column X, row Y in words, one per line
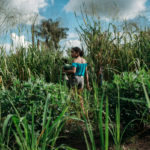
column 5, row 125
column 32, row 130
column 101, row 123
column 18, row 141
column 146, row 94
column 45, row 111
column 106, row 126
column 87, row 144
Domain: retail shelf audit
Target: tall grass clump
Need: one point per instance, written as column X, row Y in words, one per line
column 34, row 113
column 114, row 128
column 26, row 136
column 113, row 50
column 30, row 61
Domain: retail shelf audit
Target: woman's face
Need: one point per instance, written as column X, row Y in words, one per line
column 74, row 54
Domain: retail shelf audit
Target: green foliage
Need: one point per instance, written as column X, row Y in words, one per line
column 28, row 137
column 133, row 102
column 34, row 107
column 29, row 62
column 52, row 32
column 112, row 50
column 41, row 114
column 68, row 51
column 23, row 94
column 120, row 112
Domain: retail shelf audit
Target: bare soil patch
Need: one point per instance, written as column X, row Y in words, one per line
column 75, row 139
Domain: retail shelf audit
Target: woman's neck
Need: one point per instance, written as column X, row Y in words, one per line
column 77, row 57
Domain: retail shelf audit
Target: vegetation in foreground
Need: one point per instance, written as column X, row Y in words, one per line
column 35, row 107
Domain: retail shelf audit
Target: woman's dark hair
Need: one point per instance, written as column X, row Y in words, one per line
column 77, row 49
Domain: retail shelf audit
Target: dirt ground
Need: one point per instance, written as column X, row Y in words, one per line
column 75, row 139
column 139, row 142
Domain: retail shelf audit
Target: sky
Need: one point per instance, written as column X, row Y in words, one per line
column 18, row 15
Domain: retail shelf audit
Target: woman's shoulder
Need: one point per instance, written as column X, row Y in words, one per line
column 82, row 61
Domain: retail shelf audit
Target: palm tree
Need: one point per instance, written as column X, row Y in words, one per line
column 52, row 32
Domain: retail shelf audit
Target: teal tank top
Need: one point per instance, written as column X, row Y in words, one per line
column 80, row 68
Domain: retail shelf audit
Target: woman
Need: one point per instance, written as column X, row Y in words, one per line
column 79, row 69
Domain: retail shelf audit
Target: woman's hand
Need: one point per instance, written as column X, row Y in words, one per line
column 63, row 71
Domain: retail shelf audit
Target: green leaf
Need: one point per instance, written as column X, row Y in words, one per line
column 106, row 126
column 45, row 111
column 5, row 125
column 146, row 94
column 133, row 100
column 87, row 144
column 32, row 130
column 101, row 123
column 18, row 141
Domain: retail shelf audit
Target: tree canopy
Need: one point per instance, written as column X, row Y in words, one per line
column 52, row 32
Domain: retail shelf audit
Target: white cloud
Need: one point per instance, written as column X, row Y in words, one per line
column 74, row 43
column 13, row 12
column 123, row 9
column 29, row 9
column 72, row 35
column 52, row 1
column 17, row 43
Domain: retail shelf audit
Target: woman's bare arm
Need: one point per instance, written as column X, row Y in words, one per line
column 87, row 78
column 72, row 71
